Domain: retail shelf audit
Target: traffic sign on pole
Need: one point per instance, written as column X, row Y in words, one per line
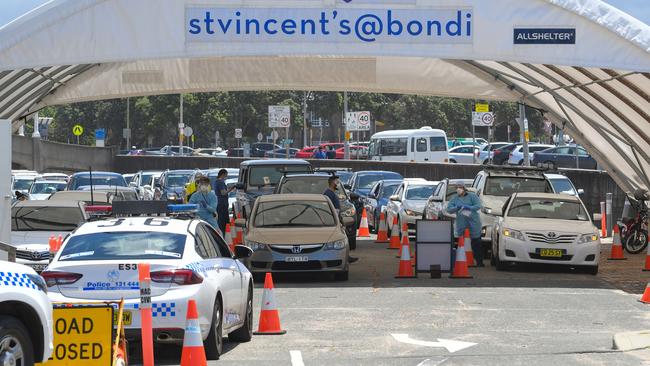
column 279, row 116
column 188, row 131
column 481, row 107
column 357, row 121
column 482, row 119
column 238, row 133
column 77, row 130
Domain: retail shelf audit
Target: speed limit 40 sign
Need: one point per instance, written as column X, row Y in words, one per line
column 357, row 121
column 485, row 119
column 279, row 116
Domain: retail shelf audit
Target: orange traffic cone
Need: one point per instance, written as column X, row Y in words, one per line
column 240, row 233
column 460, row 267
column 394, row 235
column 647, row 257
column 646, row 295
column 269, row 316
column 193, row 353
column 52, row 242
column 228, row 239
column 617, row 248
column 382, row 232
column 364, row 232
column 405, row 239
column 233, row 231
column 405, row 267
column 59, row 242
column 467, row 243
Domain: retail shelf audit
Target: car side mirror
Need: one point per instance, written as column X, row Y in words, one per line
column 347, row 186
column 348, row 221
column 354, row 196
column 240, row 222
column 239, row 185
column 395, row 198
column 242, row 251
column 372, row 195
column 146, row 186
column 132, row 184
column 581, row 192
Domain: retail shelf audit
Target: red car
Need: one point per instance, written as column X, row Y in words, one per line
column 356, row 152
column 306, row 152
column 329, row 147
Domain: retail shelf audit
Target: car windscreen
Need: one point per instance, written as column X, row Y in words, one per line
column 563, row 186
column 46, row 188
column 45, row 218
column 147, row 180
column 366, row 181
column 388, row 190
column 538, row 208
column 123, row 246
column 419, row 192
column 98, row 180
column 269, row 175
column 177, row 180
column 310, row 185
column 22, row 184
column 344, row 177
column 506, row 186
column 288, row 214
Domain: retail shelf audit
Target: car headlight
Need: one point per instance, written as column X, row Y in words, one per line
column 412, row 213
column 171, row 196
column 515, row 234
column 350, row 212
column 587, row 238
column 255, row 246
column 38, row 281
column 335, row 245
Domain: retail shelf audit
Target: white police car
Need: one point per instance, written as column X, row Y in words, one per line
column 25, row 316
column 188, row 260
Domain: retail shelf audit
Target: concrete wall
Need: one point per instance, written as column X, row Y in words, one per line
column 48, row 156
column 596, row 184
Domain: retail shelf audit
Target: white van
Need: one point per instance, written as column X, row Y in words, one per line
column 422, row 145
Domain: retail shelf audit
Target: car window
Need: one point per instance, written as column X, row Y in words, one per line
column 270, row 175
column 46, row 188
column 292, row 213
column 304, row 185
column 177, row 179
column 217, row 242
column 421, row 145
column 506, row 186
column 22, row 184
column 437, row 143
column 559, row 150
column 582, row 152
column 537, row 148
column 562, row 186
column 477, row 181
column 203, row 244
column 45, row 218
column 547, row 209
column 393, row 147
column 366, row 181
column 123, row 245
column 419, row 193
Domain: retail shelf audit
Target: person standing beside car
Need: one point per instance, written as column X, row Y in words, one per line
column 221, row 190
column 206, row 201
column 466, row 205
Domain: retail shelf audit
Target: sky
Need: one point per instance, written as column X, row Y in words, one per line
column 11, row 9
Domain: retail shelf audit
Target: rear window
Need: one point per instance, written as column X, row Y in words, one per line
column 563, row 186
column 22, row 184
column 419, row 192
column 123, row 246
column 269, row 175
column 98, row 180
column 506, row 186
column 47, row 188
column 45, row 218
column 366, row 181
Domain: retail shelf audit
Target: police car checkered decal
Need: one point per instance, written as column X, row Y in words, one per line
column 16, row 280
column 163, row 309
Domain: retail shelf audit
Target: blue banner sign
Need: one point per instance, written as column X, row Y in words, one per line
column 545, row 36
column 231, row 24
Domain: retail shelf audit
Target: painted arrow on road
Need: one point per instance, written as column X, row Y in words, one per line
column 450, row 344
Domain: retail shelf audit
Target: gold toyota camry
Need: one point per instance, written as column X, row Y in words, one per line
column 297, row 233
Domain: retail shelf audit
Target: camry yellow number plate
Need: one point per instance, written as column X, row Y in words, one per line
column 554, row 253
column 126, row 317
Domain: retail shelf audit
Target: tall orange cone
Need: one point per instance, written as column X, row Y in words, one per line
column 617, row 248
column 646, row 268
column 467, row 242
column 228, row 238
column 405, row 267
column 240, row 232
column 193, row 352
column 382, row 232
column 460, row 267
column 233, row 231
column 405, row 239
column 646, row 295
column 269, row 316
column 394, row 235
column 364, row 232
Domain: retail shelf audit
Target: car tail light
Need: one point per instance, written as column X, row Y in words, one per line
column 497, row 152
column 177, row 276
column 60, row 278
column 99, row 210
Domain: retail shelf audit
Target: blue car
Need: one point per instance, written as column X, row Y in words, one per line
column 565, row 157
column 378, row 199
column 360, row 184
column 172, row 184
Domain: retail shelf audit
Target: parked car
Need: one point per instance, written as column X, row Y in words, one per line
column 144, row 183
column 306, row 152
column 517, row 154
column 486, row 152
column 281, row 153
column 545, row 229
column 43, row 189
column 436, row 206
column 173, row 150
column 258, row 149
column 407, row 204
column 128, row 177
column 463, row 154
column 377, row 200
column 361, row 182
column 562, row 184
column 207, row 151
column 565, row 157
column 22, row 183
column 501, row 155
column 460, row 141
column 297, row 233
column 356, row 152
column 78, row 180
column 172, row 184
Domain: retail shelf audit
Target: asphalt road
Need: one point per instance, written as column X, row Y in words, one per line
column 527, row 316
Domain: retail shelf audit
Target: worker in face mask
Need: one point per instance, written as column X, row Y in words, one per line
column 206, row 202
column 466, row 205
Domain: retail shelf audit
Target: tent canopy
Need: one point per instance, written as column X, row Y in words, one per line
column 584, row 62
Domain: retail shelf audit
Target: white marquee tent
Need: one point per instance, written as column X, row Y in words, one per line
column 583, row 62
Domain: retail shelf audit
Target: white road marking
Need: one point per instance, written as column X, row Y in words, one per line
column 450, row 344
column 296, row 358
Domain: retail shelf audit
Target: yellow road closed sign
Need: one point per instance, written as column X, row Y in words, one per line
column 77, row 130
column 82, row 336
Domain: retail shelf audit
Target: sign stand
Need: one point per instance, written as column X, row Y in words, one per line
column 433, row 245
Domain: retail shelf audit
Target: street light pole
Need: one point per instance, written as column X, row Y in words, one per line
column 346, row 145
column 128, row 123
column 523, row 128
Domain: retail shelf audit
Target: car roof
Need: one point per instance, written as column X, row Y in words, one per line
column 563, row 196
column 425, row 131
column 177, row 226
column 50, row 181
column 47, row 203
column 95, row 173
column 420, row 183
column 556, row 176
column 182, row 171
column 275, row 162
column 319, row 175
column 292, row 197
column 364, row 172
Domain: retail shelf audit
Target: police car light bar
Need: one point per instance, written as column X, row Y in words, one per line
column 182, row 208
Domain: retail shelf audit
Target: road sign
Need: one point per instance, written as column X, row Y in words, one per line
column 274, row 135
column 481, row 107
column 77, row 130
column 260, row 137
column 181, row 125
column 188, row 131
column 238, row 133
column 279, row 116
column 100, row 134
column 82, row 336
column 482, row 119
column 126, row 133
column 357, row 121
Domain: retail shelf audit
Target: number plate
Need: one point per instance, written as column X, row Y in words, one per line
column 38, row 267
column 126, row 317
column 297, row 259
column 553, row 253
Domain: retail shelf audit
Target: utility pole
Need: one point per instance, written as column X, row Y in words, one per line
column 304, row 119
column 128, row 123
column 181, row 126
column 346, row 145
column 523, row 132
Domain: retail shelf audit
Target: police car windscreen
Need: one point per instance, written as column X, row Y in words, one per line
column 287, row 214
column 124, row 245
column 45, row 218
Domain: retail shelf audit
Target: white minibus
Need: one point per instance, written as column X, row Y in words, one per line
column 421, row 145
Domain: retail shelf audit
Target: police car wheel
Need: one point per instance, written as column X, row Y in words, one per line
column 15, row 344
column 214, row 343
column 245, row 333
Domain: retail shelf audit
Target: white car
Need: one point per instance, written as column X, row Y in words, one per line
column 547, row 228
column 463, row 154
column 25, row 316
column 144, row 183
column 517, row 154
column 43, row 189
column 562, row 184
column 408, row 202
column 188, row 259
